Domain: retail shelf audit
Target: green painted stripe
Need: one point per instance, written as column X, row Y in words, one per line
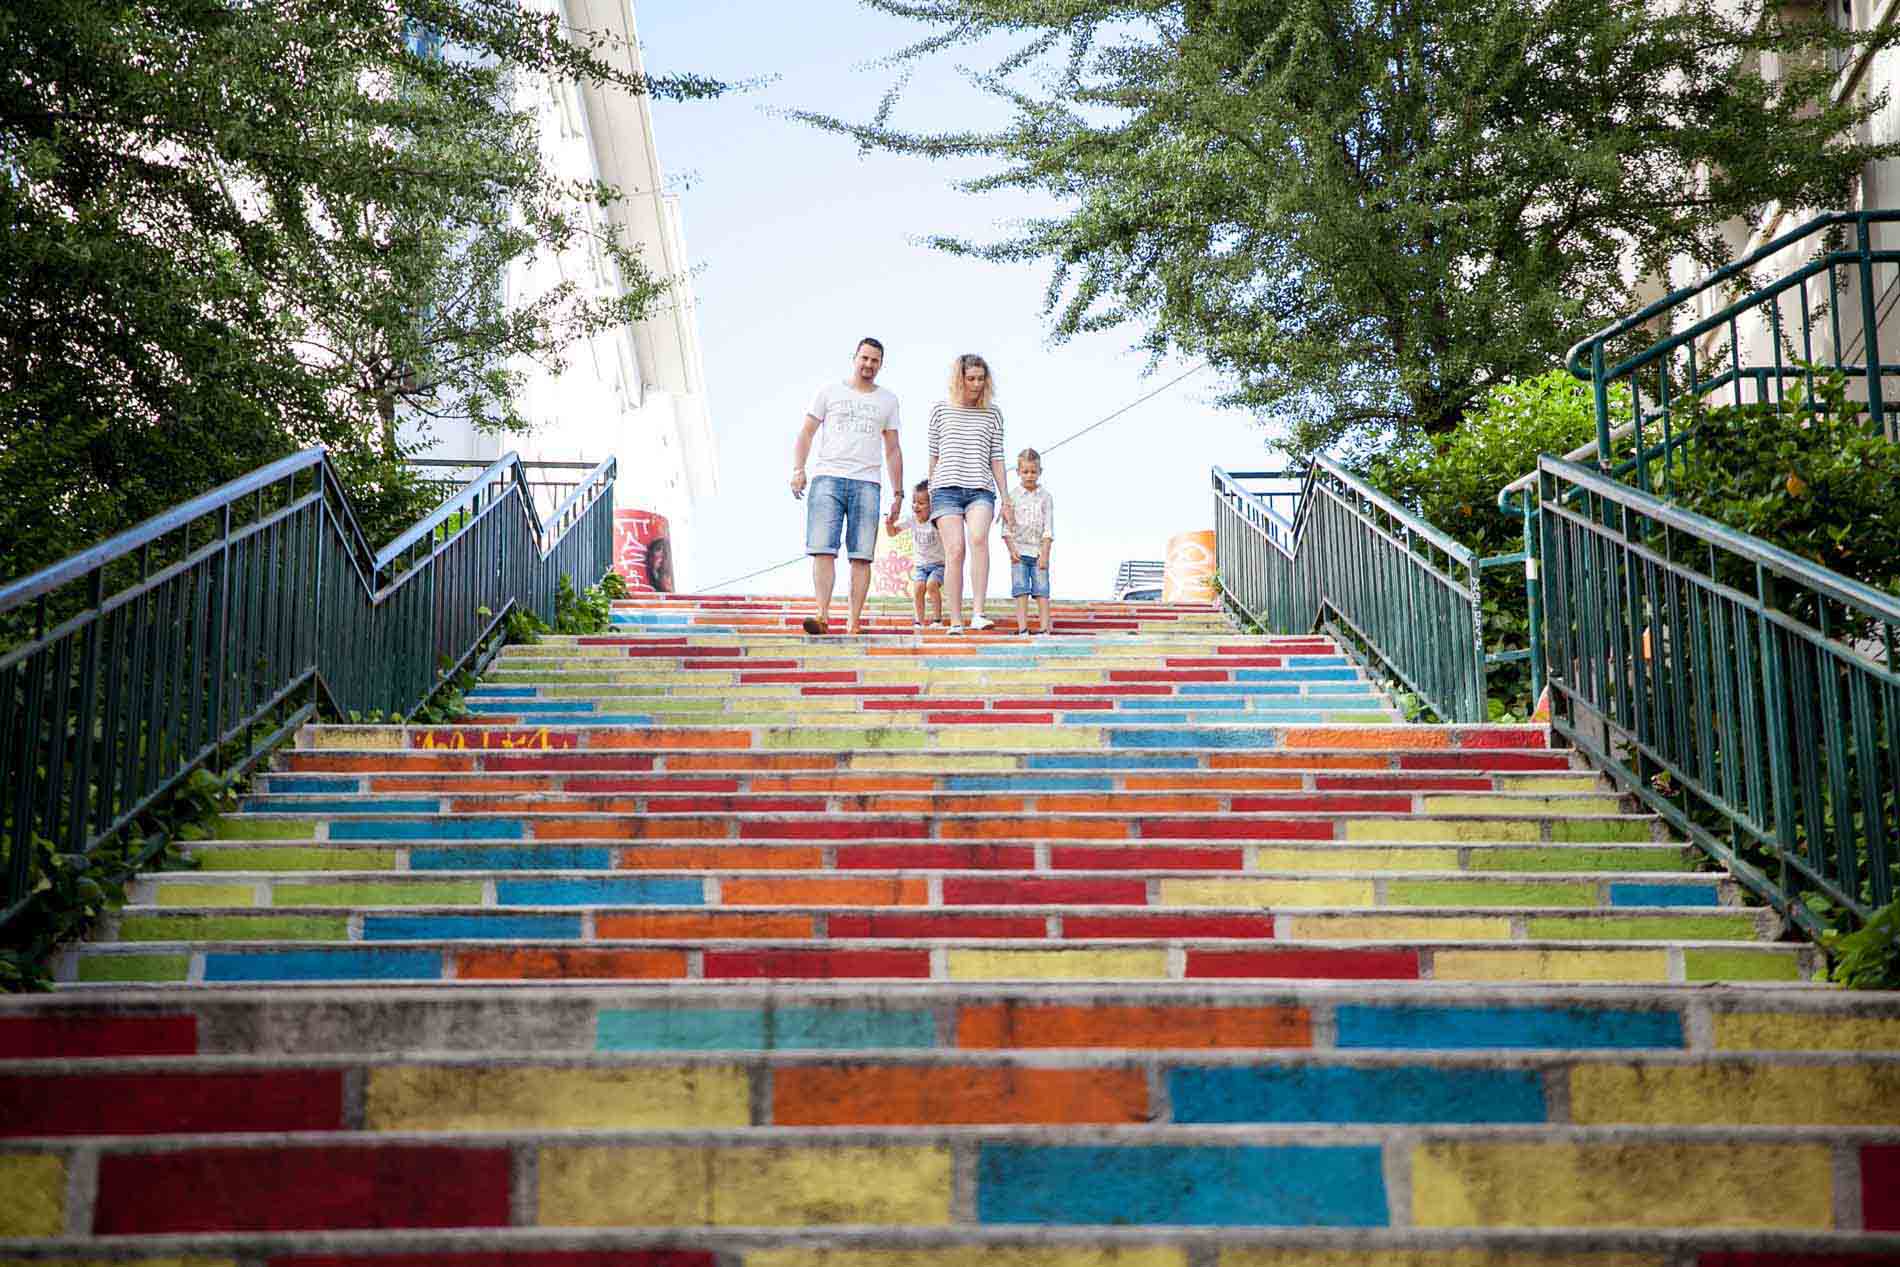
column 318, row 859
column 234, row 928
column 1483, row 893
column 1646, row 928
column 1558, row 859
column 1588, row 830
column 134, row 967
column 825, row 737
column 432, row 893
column 266, row 827
column 1741, row 965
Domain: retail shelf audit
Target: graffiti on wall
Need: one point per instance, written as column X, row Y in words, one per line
column 643, row 552
column 1189, row 576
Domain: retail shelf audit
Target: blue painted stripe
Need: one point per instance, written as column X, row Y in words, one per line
column 1664, row 895
column 592, row 719
column 324, row 965
column 537, row 707
column 310, row 783
column 475, row 927
column 1318, row 1093
column 428, row 829
column 1256, row 717
column 1295, row 675
column 1016, row 783
column 602, row 891
column 1298, row 661
column 355, row 805
column 1293, row 1186
column 503, row 692
column 533, row 859
column 1078, row 761
column 1233, row 688
column 1193, row 738
column 1452, row 1028
column 748, row 1029
column 1162, row 701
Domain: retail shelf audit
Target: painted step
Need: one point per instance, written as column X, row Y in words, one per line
column 544, row 950
column 1832, row 1179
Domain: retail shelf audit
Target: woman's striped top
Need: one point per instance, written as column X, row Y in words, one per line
column 963, row 444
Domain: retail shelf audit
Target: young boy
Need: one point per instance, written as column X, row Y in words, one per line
column 1029, row 541
column 926, row 574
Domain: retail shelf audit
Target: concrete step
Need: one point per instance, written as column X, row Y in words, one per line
column 1802, row 1179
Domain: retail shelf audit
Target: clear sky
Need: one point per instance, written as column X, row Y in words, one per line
column 802, row 245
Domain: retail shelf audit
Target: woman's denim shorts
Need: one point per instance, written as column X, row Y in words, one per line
column 952, row 500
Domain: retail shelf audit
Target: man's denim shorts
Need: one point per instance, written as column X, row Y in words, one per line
column 952, row 500
column 831, row 504
column 925, row 573
column 1026, row 580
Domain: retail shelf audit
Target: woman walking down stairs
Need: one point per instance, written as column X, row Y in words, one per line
column 1141, row 943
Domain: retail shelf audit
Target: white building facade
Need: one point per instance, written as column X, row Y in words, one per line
column 639, row 394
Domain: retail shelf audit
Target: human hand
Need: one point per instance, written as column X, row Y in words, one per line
column 1042, row 567
column 798, row 483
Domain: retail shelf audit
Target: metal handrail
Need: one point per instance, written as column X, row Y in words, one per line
column 209, row 633
column 1746, row 695
column 1346, row 558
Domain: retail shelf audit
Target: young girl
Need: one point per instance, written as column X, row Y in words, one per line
column 926, row 574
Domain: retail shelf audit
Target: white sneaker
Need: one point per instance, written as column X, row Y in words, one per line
column 954, row 630
column 980, row 623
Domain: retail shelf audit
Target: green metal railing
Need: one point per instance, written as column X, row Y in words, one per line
column 1824, row 314
column 1319, row 549
column 208, row 634
column 1746, row 695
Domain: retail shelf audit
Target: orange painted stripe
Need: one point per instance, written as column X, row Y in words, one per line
column 669, row 739
column 885, row 1095
column 721, row 857
column 1005, row 1025
column 567, row 805
column 556, row 965
column 754, row 761
column 826, row 891
column 1264, row 761
column 1388, row 737
column 1035, row 829
column 658, row 926
column 944, row 805
column 1191, row 782
column 379, row 763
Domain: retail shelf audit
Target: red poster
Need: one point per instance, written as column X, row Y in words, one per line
column 643, row 554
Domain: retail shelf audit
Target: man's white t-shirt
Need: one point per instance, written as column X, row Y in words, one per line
column 850, row 443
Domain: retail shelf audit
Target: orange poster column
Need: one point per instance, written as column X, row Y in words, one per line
column 1189, row 576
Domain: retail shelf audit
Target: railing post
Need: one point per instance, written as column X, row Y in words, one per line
column 1600, row 390
column 1870, row 324
column 1534, row 590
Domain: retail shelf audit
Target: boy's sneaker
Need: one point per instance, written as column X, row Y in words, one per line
column 954, row 630
column 979, row 623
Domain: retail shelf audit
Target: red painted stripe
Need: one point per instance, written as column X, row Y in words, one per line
column 812, row 675
column 84, row 1037
column 807, row 965
column 892, row 924
column 1168, row 675
column 1494, row 737
column 1226, row 662
column 509, row 1258
column 659, row 783
column 300, row 1189
column 698, row 663
column 907, row 689
column 1487, row 761
column 736, row 804
column 989, row 719
column 936, row 857
column 1135, row 858
column 1411, row 782
column 837, row 829
column 1043, row 891
column 620, row 761
column 168, row 1103
column 1294, row 804
column 1880, row 1187
column 1168, row 925
column 1066, row 705
column 1234, row 829
column 1330, row 965
column 911, row 703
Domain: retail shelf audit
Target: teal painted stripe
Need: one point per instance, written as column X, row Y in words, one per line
column 779, row 1029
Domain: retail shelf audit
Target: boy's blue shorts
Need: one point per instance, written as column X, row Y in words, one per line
column 925, row 573
column 1026, row 580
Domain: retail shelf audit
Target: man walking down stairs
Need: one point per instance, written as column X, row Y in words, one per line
column 1143, row 943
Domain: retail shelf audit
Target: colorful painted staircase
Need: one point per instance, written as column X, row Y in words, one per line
column 1139, row 943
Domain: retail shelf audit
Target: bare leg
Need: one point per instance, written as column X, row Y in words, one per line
column 936, row 602
column 1022, row 614
column 978, row 518
column 950, row 528
column 860, row 587
column 824, row 573
column 1042, row 607
column 917, row 599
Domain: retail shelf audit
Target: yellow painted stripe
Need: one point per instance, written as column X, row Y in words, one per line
column 1016, row 737
column 458, row 1098
column 743, row 1186
column 974, row 1256
column 962, row 763
column 1431, row 830
column 1058, row 965
column 1522, row 805
column 1432, row 1258
column 1550, row 783
column 356, row 737
column 1738, row 1095
column 1322, row 858
column 1788, row 1031
column 1679, row 1184
column 1394, row 928
column 35, row 1187
column 1550, row 965
column 1277, row 893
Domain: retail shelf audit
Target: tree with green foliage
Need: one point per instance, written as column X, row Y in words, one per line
column 234, row 230
column 1368, row 215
